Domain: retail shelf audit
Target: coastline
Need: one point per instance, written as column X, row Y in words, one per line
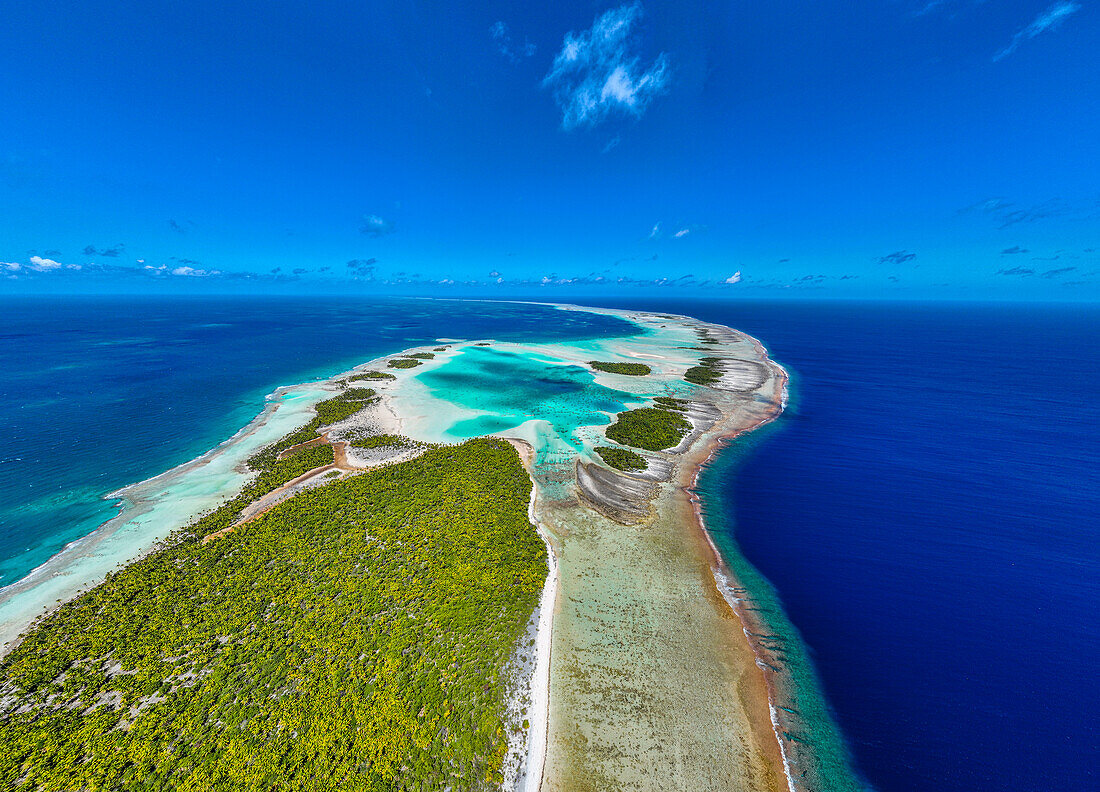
column 753, row 688
column 725, row 581
column 150, row 510
column 698, row 456
column 533, row 747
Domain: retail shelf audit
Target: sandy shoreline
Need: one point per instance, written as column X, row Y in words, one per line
column 731, row 657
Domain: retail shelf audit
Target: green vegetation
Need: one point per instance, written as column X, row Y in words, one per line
column 329, row 412
column 633, row 369
column 706, row 373
column 362, row 439
column 357, row 394
column 441, row 349
column 422, row 355
column 669, row 403
column 650, row 428
column 403, row 363
column 372, row 375
column 622, row 458
column 482, row 343
column 353, row 637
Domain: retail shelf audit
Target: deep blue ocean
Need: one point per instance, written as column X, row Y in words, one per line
column 926, row 510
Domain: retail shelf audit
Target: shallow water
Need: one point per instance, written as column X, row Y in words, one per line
column 524, row 385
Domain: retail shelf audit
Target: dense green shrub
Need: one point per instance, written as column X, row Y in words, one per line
column 351, row 638
column 622, row 458
column 361, row 439
column 357, row 394
column 706, row 373
column 372, row 375
column 648, row 427
column 422, row 355
column 403, row 363
column 633, row 369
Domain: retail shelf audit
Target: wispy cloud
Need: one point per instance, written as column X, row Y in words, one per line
column 596, row 73
column 897, row 257
column 657, row 233
column 929, row 7
column 1014, row 250
column 1016, row 271
column 375, row 226
column 193, row 272
column 362, row 268
column 734, row 278
column 1047, row 20
column 509, row 48
column 1054, row 273
column 1008, row 213
column 111, row 252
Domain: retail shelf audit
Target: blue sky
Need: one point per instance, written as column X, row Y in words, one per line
column 894, row 149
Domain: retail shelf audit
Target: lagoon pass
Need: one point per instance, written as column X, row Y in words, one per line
column 472, row 565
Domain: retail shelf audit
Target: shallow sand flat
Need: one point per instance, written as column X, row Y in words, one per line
column 653, row 683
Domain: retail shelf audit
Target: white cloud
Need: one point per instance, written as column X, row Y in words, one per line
column 656, row 232
column 734, row 278
column 373, row 225
column 596, row 74
column 191, row 272
column 40, row 264
column 1048, row 20
column 683, row 232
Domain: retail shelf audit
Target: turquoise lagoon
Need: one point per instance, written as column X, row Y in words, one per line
column 562, row 394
